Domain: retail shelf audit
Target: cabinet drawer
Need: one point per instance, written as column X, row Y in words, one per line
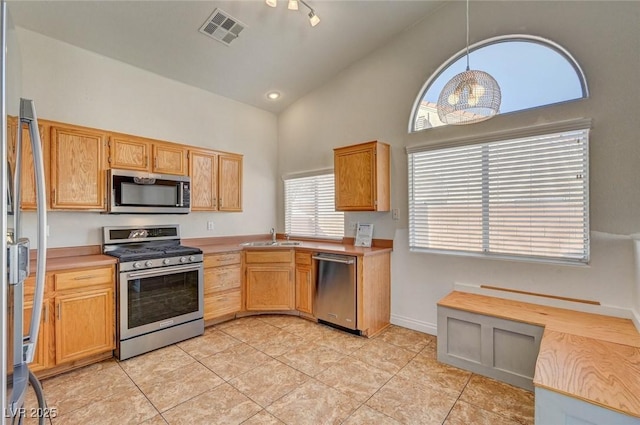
column 215, row 260
column 218, row 279
column 303, row 258
column 83, row 278
column 220, row 304
column 271, row 256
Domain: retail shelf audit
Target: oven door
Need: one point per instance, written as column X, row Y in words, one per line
column 150, row 300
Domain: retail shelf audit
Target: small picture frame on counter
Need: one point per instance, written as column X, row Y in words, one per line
column 364, row 234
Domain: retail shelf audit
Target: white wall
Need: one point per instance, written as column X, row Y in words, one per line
column 75, row 86
column 372, row 99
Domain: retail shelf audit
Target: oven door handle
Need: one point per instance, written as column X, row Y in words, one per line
column 164, row 270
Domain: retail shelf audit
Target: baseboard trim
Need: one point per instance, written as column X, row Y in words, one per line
column 416, row 325
column 635, row 317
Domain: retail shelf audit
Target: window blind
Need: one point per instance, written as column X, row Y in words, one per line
column 525, row 197
column 309, row 205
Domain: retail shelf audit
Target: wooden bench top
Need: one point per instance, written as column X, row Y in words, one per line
column 591, row 357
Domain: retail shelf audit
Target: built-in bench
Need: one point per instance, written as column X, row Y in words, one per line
column 584, row 368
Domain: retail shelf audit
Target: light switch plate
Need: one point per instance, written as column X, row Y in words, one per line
column 395, row 214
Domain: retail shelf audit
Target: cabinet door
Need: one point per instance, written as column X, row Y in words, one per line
column 169, row 159
column 219, row 304
column 203, row 170
column 269, row 288
column 230, row 182
column 218, row 279
column 41, row 359
column 27, row 173
column 77, row 171
column 355, row 179
column 12, row 128
column 304, row 290
column 129, row 153
column 84, row 324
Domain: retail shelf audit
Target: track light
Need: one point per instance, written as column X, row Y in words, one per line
column 294, row 5
column 313, row 18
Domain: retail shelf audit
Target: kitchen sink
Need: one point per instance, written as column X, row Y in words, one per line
column 271, row 244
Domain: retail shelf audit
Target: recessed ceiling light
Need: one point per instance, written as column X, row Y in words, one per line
column 274, row 95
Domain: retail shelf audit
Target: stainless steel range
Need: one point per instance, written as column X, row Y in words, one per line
column 159, row 294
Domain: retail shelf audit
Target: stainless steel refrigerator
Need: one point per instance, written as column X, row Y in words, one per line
column 17, row 350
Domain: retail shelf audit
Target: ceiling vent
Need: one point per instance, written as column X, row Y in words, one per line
column 222, row 27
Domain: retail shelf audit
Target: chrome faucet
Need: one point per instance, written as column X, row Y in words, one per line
column 273, row 235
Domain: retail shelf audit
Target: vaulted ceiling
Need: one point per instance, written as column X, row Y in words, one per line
column 277, row 51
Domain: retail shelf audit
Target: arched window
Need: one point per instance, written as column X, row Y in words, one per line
column 531, row 72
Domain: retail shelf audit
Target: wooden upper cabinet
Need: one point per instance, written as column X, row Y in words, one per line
column 129, row 153
column 137, row 153
column 77, row 168
column 362, row 177
column 203, row 170
column 169, row 158
column 12, row 128
column 27, row 169
column 229, row 182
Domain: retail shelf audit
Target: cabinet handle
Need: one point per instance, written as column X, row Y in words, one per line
column 59, row 313
column 215, row 202
column 55, row 201
column 46, row 313
column 155, row 162
column 146, row 161
column 85, row 277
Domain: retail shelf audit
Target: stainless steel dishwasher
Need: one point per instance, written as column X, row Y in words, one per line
column 335, row 300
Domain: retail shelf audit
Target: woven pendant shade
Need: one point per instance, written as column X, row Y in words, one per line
column 469, row 97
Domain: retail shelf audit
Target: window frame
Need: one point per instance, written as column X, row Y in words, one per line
column 304, row 175
column 487, row 42
column 508, row 135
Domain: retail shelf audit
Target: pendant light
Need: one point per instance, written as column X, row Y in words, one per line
column 469, row 97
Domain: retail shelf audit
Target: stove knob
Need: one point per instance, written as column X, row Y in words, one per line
column 192, row 258
column 166, row 261
column 137, row 265
column 183, row 259
column 149, row 263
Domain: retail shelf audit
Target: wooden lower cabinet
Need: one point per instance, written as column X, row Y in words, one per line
column 43, row 357
column 269, row 280
column 78, row 318
column 373, row 289
column 84, row 323
column 222, row 284
column 270, row 288
column 305, row 284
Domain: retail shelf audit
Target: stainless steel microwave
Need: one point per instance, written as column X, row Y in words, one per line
column 136, row 192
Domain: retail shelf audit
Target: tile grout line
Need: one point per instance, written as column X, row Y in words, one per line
column 141, row 392
column 386, row 382
column 272, row 358
column 457, row 399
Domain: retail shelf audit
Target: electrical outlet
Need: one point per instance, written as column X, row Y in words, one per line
column 209, row 225
column 395, row 214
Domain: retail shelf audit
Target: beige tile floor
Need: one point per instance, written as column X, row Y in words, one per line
column 285, row 370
